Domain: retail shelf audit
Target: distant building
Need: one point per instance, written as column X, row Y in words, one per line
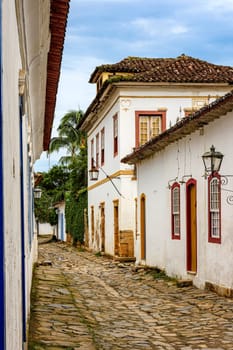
column 61, row 221
column 32, row 36
column 137, row 99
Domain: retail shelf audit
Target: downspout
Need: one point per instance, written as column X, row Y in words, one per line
column 22, row 220
column 2, row 262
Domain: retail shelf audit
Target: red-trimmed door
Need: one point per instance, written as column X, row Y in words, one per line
column 143, row 226
column 102, row 226
column 116, row 227
column 191, row 217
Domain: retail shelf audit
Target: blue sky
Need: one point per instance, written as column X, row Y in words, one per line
column 106, row 31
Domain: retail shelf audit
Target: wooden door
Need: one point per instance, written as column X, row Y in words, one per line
column 143, row 226
column 102, row 226
column 191, row 203
column 116, row 227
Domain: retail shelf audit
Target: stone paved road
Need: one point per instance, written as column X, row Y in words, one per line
column 85, row 302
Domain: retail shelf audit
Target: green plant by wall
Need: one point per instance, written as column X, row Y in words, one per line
column 74, row 211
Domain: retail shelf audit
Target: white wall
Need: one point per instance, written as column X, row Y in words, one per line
column 15, row 59
column 46, row 229
column 13, row 287
column 125, row 101
column 214, row 263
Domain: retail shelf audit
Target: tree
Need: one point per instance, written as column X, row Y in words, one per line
column 54, row 185
column 74, row 141
column 69, row 137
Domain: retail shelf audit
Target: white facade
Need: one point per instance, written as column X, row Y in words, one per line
column 46, row 229
column 112, row 219
column 180, row 162
column 25, row 43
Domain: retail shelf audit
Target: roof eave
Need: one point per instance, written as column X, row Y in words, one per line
column 109, row 87
column 58, row 21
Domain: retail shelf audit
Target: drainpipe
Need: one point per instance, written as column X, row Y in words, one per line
column 2, row 262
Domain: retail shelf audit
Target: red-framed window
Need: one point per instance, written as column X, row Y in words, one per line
column 148, row 125
column 175, row 210
column 102, row 146
column 92, row 154
column 97, row 149
column 115, row 135
column 214, row 208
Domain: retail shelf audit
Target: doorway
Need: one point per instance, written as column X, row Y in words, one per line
column 143, row 226
column 191, row 217
column 102, row 226
column 116, row 227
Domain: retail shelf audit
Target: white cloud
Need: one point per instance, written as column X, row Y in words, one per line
column 220, row 5
column 74, row 91
column 179, row 29
column 164, row 26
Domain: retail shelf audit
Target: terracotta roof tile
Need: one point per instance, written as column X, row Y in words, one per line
column 182, row 69
column 58, row 20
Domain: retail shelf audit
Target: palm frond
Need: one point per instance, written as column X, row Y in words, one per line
column 57, row 143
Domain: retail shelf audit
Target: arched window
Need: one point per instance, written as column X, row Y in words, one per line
column 214, row 206
column 175, row 210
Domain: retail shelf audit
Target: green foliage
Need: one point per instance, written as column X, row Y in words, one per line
column 69, row 137
column 54, row 185
column 69, row 180
column 74, row 212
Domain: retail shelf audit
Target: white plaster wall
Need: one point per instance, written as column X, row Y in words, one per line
column 125, row 101
column 174, row 99
column 14, row 60
column 13, row 288
column 181, row 158
column 105, row 192
column 45, row 229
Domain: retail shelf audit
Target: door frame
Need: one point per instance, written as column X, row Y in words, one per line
column 143, row 225
column 102, row 225
column 116, row 227
column 191, row 231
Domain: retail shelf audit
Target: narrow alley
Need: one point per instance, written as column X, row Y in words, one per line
column 84, row 301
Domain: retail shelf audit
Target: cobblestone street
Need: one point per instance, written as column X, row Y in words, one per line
column 86, row 302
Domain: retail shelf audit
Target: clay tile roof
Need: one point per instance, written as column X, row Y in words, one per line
column 182, row 128
column 58, row 20
column 182, row 69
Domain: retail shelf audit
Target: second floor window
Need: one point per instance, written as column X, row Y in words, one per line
column 97, row 151
column 148, row 125
column 102, row 155
column 92, row 154
column 175, row 204
column 115, row 134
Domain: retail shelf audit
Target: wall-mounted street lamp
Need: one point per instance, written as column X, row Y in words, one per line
column 212, row 161
column 37, row 192
column 94, row 175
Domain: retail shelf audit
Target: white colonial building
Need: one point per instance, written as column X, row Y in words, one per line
column 32, row 36
column 137, row 99
column 185, row 214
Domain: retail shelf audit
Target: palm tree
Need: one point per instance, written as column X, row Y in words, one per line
column 74, row 141
column 69, row 137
